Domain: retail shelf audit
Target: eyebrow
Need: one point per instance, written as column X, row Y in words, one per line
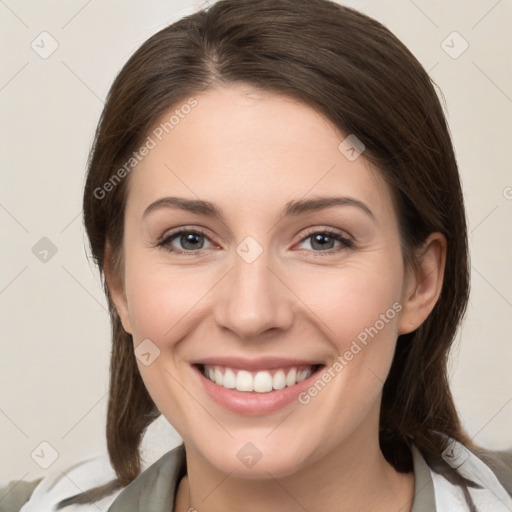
column 292, row 208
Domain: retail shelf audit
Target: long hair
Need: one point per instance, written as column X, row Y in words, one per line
column 354, row 71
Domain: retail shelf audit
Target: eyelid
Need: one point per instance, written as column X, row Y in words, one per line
column 309, row 231
column 180, row 230
column 346, row 240
column 328, row 230
column 164, row 242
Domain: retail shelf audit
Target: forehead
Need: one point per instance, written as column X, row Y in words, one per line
column 245, row 149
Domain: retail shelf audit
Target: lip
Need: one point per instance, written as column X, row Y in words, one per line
column 251, row 403
column 254, row 365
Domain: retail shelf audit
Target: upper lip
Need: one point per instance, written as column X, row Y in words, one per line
column 262, row 363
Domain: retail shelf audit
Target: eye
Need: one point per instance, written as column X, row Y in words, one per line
column 190, row 241
column 325, row 241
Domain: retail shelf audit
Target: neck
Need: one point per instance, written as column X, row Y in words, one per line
column 353, row 476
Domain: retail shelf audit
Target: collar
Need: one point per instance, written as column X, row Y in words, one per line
column 155, row 488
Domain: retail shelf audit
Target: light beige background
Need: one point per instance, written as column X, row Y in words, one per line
column 55, row 328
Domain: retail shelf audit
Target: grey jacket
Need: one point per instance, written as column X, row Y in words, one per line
column 155, row 488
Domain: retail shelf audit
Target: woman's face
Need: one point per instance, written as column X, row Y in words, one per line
column 272, row 287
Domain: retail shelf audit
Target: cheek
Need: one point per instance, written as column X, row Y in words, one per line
column 359, row 307
column 160, row 298
column 164, row 304
column 359, row 311
column 344, row 302
column 352, row 299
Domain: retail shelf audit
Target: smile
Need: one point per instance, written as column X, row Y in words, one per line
column 257, row 381
column 255, row 387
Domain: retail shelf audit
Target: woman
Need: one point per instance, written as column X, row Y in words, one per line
column 274, row 202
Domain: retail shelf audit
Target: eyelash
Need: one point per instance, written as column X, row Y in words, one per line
column 346, row 243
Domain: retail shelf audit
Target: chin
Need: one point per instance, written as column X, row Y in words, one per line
column 256, row 456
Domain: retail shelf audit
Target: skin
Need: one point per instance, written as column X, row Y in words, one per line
column 249, row 153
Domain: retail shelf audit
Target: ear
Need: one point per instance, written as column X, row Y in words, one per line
column 115, row 284
column 423, row 286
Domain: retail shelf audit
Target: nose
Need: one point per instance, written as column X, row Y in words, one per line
column 254, row 300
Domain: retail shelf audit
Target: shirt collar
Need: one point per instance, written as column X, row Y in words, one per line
column 156, row 487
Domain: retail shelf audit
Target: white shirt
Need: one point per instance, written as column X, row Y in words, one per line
column 492, row 497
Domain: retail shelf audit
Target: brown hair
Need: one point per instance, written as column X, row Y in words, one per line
column 366, row 82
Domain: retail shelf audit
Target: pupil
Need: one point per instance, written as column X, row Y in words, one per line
column 190, row 238
column 322, row 241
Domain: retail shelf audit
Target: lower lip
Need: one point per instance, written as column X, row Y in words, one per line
column 251, row 403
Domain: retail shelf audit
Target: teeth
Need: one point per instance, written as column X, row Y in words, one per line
column 244, row 381
column 263, row 382
column 229, row 379
column 302, row 375
column 291, row 377
column 279, row 380
column 218, row 376
column 260, row 382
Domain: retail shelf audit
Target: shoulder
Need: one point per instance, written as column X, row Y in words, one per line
column 15, row 494
column 64, row 483
column 488, row 492
column 500, row 462
column 60, row 483
column 154, row 489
